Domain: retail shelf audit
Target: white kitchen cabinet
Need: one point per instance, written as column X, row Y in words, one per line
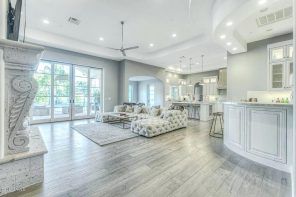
column 210, row 86
column 280, row 66
column 266, row 133
column 234, row 123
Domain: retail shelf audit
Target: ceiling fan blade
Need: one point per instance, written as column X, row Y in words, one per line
column 123, row 53
column 113, row 48
column 130, row 48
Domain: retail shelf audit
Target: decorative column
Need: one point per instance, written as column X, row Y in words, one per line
column 3, row 32
column 20, row 61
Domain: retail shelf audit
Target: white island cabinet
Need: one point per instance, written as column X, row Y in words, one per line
column 260, row 132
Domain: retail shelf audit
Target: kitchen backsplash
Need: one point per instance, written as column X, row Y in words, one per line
column 269, row 96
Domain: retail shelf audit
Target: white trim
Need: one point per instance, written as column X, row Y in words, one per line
column 279, row 44
column 2, row 112
column 294, row 106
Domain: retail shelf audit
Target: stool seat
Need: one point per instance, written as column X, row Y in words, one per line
column 213, row 132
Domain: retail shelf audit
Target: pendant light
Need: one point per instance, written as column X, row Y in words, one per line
column 202, row 58
column 190, row 82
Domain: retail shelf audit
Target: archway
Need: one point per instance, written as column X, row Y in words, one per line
column 146, row 89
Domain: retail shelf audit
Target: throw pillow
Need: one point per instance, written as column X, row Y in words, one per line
column 171, row 107
column 154, row 112
column 119, row 108
column 156, row 107
column 145, row 110
column 137, row 109
column 129, row 109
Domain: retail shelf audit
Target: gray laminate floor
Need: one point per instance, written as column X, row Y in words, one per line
column 186, row 162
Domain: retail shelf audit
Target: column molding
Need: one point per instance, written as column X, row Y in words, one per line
column 20, row 60
column 3, row 34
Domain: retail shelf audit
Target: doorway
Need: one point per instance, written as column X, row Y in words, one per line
column 66, row 92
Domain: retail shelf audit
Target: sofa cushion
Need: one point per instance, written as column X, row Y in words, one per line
column 137, row 109
column 154, row 112
column 119, row 108
column 129, row 109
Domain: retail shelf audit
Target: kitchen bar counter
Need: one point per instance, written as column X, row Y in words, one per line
column 259, row 103
column 261, row 132
column 198, row 110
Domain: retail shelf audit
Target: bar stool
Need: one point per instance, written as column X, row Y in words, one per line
column 213, row 132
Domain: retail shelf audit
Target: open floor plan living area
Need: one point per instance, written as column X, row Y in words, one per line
column 156, row 98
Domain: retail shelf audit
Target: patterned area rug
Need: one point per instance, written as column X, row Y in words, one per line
column 103, row 133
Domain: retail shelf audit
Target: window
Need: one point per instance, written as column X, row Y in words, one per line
column 174, row 93
column 130, row 93
column 151, row 95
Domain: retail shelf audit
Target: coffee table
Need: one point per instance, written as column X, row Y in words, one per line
column 121, row 120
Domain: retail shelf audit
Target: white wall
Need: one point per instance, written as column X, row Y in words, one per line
column 110, row 71
column 248, row 71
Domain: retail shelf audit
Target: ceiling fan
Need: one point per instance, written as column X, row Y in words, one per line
column 122, row 49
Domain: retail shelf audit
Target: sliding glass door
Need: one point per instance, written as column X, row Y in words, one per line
column 61, row 92
column 66, row 92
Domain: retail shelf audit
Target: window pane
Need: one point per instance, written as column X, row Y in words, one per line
column 95, row 83
column 61, row 69
column 61, row 101
column 42, row 101
column 43, row 79
column 63, row 91
column 81, row 71
column 277, row 53
column 277, row 75
column 290, row 51
column 81, row 82
column 95, row 73
column 44, row 67
column 43, row 91
column 80, row 101
column 61, row 112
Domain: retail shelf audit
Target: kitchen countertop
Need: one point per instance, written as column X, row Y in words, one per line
column 195, row 103
column 259, row 103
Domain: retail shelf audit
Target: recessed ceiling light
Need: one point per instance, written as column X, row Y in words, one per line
column 225, row 58
column 234, row 49
column 229, row 23
column 151, row 45
column 228, row 43
column 223, row 36
column 197, row 63
column 101, row 39
column 174, row 35
column 261, row 2
column 45, row 21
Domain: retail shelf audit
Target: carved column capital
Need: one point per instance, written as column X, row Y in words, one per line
column 20, row 60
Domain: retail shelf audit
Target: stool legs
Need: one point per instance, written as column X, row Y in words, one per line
column 213, row 132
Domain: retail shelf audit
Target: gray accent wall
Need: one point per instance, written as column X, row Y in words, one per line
column 249, row 71
column 110, row 71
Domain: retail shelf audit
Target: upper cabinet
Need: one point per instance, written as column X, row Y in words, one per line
column 210, row 86
column 280, row 66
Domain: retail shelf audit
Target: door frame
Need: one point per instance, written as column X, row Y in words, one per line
column 71, row 91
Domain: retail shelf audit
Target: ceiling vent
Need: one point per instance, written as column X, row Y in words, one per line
column 74, row 20
column 275, row 17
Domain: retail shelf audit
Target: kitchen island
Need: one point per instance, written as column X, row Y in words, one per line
column 261, row 132
column 198, row 110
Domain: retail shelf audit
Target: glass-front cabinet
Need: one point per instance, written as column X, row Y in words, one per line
column 280, row 63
